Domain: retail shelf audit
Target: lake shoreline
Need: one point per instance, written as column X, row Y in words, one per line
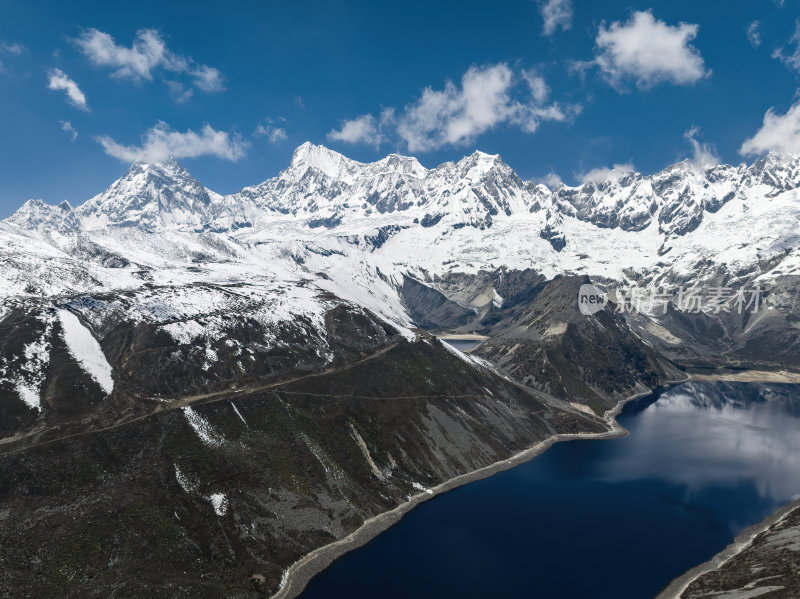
column 745, row 538
column 299, row 574
column 741, row 543
column 747, row 376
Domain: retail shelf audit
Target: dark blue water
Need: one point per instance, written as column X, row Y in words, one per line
column 596, row 519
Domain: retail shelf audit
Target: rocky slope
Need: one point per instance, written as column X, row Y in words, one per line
column 762, row 561
column 218, row 497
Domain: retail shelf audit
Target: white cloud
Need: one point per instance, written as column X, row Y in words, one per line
column 272, row 128
column 277, row 134
column 207, row 78
column 537, row 85
column 552, row 180
column 67, row 128
column 488, row 96
column 649, row 52
column 148, row 53
column 529, row 114
column 364, row 129
column 270, row 131
column 778, row 133
column 753, row 34
column 58, row 80
column 792, row 58
column 15, row 49
column 555, row 14
column 179, row 92
column 703, row 155
column 161, row 142
column 601, row 174
column 456, row 115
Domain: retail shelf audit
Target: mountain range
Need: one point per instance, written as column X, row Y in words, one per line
column 244, row 379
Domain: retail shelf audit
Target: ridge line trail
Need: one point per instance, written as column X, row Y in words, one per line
column 228, row 395
column 199, row 399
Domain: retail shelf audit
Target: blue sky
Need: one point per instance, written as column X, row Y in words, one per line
column 559, row 88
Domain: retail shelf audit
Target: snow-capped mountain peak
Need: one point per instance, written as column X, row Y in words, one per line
column 337, row 166
column 327, row 161
column 403, row 165
column 38, row 215
column 149, row 195
column 478, row 164
column 780, row 171
column 322, row 189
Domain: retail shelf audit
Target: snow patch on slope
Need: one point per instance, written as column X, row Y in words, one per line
column 422, row 488
column 184, row 332
column 37, row 358
column 497, row 299
column 26, row 372
column 188, row 485
column 86, row 350
column 28, row 394
column 238, row 413
column 202, row 428
column 219, row 502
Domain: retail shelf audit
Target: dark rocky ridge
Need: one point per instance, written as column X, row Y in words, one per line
column 538, row 336
column 767, row 339
column 150, row 367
